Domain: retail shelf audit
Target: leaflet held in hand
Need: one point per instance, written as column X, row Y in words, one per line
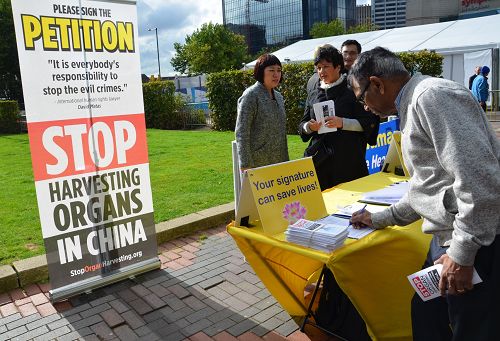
column 321, row 111
column 426, row 281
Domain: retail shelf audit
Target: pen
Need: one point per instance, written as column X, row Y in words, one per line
column 360, row 211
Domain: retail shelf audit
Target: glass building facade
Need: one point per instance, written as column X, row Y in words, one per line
column 277, row 23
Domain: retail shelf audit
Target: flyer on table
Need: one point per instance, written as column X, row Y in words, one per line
column 80, row 70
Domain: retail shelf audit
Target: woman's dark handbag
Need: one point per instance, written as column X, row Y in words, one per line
column 319, row 151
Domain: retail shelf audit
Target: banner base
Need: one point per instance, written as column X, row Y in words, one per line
column 59, row 294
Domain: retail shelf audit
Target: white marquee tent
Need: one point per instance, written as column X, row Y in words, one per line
column 463, row 43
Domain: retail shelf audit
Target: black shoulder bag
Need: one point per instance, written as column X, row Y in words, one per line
column 319, row 151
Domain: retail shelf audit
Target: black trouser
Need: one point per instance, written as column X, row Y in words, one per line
column 474, row 315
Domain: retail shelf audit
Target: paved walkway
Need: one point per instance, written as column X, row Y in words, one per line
column 496, row 127
column 204, row 291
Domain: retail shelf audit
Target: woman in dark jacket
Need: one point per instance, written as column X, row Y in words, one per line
column 340, row 156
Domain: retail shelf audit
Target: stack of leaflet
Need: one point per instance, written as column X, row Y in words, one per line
column 342, row 218
column 323, row 237
column 388, row 195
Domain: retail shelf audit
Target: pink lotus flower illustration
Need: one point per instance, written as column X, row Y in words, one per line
column 294, row 211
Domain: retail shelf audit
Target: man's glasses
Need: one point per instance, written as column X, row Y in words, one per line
column 361, row 98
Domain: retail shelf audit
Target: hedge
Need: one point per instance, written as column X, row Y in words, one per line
column 163, row 109
column 426, row 62
column 293, row 89
column 9, row 115
column 224, row 88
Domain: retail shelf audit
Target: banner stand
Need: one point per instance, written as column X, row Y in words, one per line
column 89, row 284
column 80, row 68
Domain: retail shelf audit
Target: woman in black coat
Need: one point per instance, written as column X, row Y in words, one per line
column 340, row 155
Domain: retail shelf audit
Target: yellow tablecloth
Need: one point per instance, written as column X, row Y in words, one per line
column 371, row 271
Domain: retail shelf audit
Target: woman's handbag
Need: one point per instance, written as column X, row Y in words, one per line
column 319, row 151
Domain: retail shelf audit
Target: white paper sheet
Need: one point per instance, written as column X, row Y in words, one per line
column 426, row 281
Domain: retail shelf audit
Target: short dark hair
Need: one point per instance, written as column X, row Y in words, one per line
column 352, row 42
column 378, row 62
column 330, row 54
column 263, row 61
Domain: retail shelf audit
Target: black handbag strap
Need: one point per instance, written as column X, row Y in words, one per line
column 316, row 144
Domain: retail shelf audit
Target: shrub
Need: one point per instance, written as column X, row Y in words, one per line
column 224, row 88
column 293, row 89
column 162, row 107
column 426, row 62
column 9, row 115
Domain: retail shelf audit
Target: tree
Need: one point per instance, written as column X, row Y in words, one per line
column 211, row 48
column 322, row 29
column 10, row 75
column 336, row 28
column 180, row 60
column 365, row 27
column 267, row 49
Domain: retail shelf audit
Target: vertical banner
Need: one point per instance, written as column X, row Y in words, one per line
column 80, row 70
column 375, row 155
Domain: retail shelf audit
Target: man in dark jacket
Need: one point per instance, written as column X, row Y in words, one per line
column 477, row 71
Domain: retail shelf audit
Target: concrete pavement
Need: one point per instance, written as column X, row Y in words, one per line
column 496, row 127
column 204, row 291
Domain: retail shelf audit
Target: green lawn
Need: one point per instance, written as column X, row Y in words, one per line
column 190, row 171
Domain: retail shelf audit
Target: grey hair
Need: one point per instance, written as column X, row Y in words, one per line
column 378, row 62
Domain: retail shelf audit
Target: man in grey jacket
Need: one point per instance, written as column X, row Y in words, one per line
column 453, row 156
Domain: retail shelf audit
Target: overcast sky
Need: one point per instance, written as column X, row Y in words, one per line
column 174, row 19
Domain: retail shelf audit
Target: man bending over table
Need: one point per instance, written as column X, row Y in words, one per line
column 452, row 155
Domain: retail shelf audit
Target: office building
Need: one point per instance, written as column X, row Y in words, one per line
column 419, row 12
column 363, row 14
column 429, row 12
column 277, row 23
column 389, row 13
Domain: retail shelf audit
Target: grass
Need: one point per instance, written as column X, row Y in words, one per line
column 189, row 170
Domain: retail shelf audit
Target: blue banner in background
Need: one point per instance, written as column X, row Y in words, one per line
column 375, row 155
